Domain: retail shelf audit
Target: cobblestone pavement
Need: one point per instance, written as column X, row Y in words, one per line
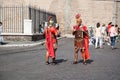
column 28, row 63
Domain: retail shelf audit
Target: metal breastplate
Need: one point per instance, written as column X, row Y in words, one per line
column 78, row 34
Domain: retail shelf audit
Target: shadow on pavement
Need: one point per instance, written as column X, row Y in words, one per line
column 60, row 60
column 115, row 48
column 89, row 61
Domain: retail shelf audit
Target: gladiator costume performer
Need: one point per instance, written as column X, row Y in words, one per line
column 81, row 40
column 51, row 41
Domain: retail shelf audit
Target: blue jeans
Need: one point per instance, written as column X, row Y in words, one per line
column 112, row 41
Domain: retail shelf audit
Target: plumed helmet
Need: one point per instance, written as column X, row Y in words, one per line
column 77, row 16
column 78, row 19
column 50, row 17
column 50, row 21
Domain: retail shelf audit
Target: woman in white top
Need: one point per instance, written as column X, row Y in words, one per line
column 98, row 36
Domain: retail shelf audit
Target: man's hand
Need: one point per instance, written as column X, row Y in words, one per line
column 73, row 32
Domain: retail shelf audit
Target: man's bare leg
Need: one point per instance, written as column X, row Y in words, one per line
column 75, row 57
column 47, row 58
column 83, row 55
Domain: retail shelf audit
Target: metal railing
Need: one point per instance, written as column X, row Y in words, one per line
column 13, row 17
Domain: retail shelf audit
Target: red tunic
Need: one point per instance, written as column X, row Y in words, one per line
column 50, row 40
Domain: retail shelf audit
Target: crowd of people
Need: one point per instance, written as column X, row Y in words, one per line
column 106, row 34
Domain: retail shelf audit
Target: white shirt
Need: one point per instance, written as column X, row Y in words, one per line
column 112, row 31
column 98, row 32
column 103, row 29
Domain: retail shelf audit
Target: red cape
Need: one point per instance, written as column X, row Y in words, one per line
column 86, row 40
column 50, row 41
